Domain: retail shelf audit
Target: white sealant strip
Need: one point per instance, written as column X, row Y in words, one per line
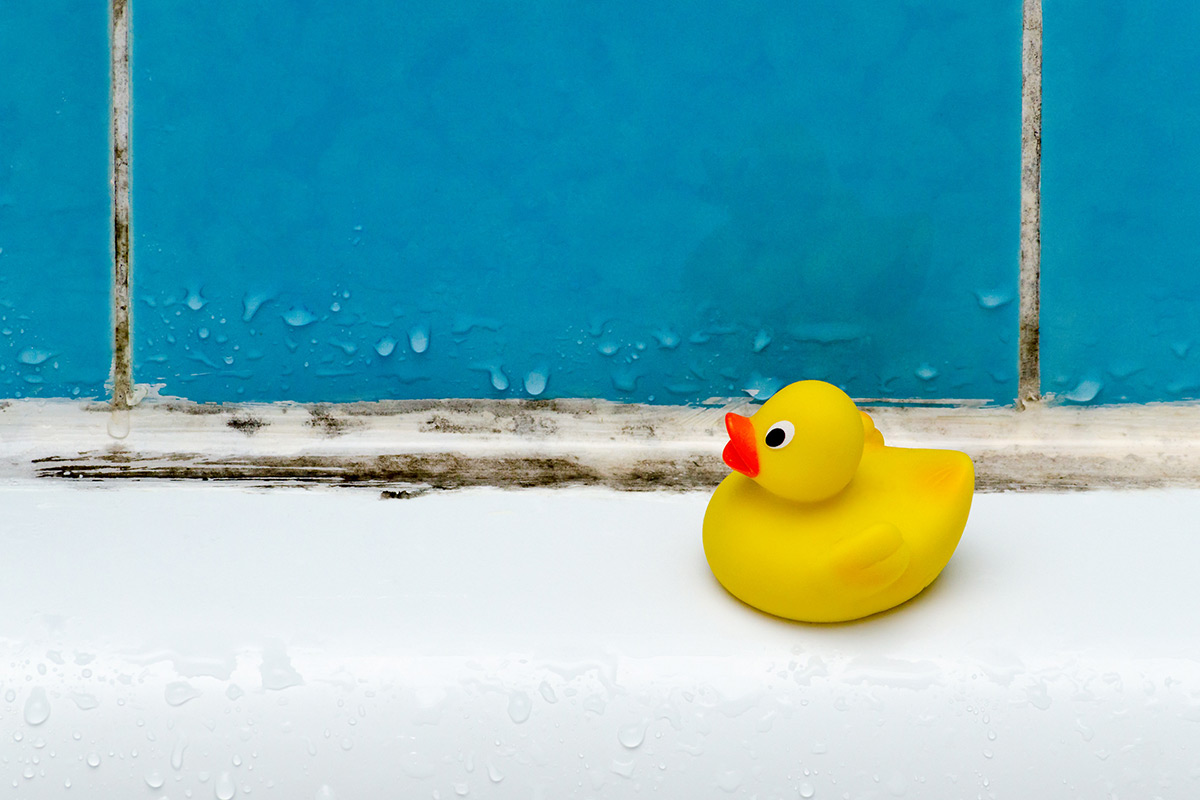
column 454, row 443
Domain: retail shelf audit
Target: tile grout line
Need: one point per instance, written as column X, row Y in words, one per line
column 122, row 377
column 1030, row 259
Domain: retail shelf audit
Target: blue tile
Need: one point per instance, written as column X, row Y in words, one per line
column 55, row 262
column 1121, row 166
column 361, row 200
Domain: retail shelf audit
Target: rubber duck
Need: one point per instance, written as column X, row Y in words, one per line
column 820, row 521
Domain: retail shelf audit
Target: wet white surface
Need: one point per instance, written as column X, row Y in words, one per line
column 213, row 641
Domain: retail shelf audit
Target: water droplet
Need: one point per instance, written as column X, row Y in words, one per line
column 807, row 790
column 462, row 789
column 84, row 701
column 224, row 788
column 667, row 338
column 608, row 347
column 494, row 774
column 761, row 340
column 463, row 324
column 1180, row 349
column 33, row 356
column 418, row 338
column 236, row 760
column 347, row 743
column 10, row 696
column 324, row 792
column 547, row 692
column 993, row 299
column 195, row 301
column 519, row 707
column 926, row 372
column 730, row 780
column 991, row 735
column 625, row 380
column 632, row 735
column 987, row 753
column 385, row 346
column 335, row 306
column 154, row 779
column 1085, row 392
column 499, row 379
column 93, row 759
column 203, row 333
column 299, row 316
column 179, row 692
column 177, row 753
column 761, row 388
column 37, row 707
column 233, row 691
column 535, row 381
column 118, row 423
column 277, row 671
column 251, row 304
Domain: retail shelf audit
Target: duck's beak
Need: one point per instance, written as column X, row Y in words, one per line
column 741, row 453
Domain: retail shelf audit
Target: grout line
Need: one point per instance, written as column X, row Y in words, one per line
column 1030, row 263
column 122, row 376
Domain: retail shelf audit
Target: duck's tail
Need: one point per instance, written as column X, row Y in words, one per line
column 871, row 435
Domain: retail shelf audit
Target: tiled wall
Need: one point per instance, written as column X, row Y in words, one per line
column 1121, row 201
column 623, row 200
column 361, row 200
column 55, row 261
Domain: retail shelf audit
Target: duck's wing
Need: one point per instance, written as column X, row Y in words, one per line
column 873, row 558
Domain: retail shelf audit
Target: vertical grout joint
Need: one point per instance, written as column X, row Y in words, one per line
column 122, row 377
column 1030, row 259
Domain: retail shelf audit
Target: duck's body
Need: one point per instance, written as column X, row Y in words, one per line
column 871, row 544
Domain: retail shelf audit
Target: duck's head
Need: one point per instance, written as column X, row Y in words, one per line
column 803, row 444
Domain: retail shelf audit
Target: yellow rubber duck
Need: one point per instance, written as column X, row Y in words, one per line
column 820, row 521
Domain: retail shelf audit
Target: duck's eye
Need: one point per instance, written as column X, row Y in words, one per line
column 780, row 434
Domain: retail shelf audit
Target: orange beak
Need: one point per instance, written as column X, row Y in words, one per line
column 741, row 453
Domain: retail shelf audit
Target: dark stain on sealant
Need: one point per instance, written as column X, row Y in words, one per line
column 412, row 474
column 323, row 420
column 247, row 424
